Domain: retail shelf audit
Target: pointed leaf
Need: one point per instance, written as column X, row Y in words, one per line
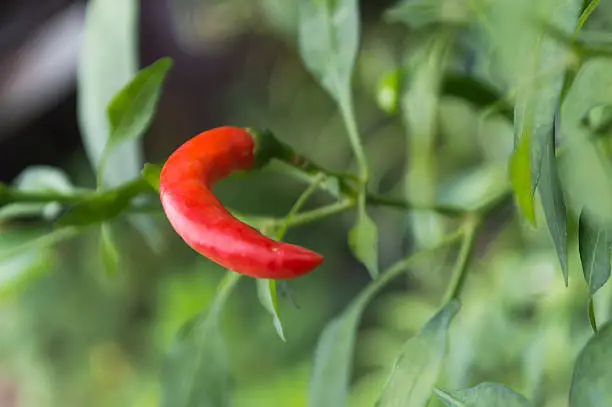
column 266, row 291
column 594, row 247
column 334, row 353
column 131, row 110
column 593, row 372
column 329, row 41
column 107, row 63
column 333, row 361
column 532, row 64
column 483, row 395
column 416, row 371
column 363, row 241
column 196, row 371
column 553, row 203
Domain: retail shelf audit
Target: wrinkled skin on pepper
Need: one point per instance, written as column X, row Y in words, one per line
column 206, row 226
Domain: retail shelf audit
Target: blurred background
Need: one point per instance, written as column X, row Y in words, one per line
column 70, row 335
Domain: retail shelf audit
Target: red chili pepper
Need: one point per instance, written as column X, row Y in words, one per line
column 202, row 221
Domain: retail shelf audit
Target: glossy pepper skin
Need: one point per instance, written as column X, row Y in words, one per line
column 202, row 221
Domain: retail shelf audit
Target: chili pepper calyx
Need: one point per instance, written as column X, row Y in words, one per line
column 267, row 147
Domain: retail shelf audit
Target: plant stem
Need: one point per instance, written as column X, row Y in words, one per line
column 592, row 319
column 318, row 214
column 298, row 205
column 400, row 266
column 463, row 260
column 348, row 116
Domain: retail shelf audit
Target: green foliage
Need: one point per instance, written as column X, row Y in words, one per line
column 592, row 374
column 594, row 245
column 328, row 43
column 483, row 395
column 363, row 241
column 477, row 84
column 415, row 372
column 131, row 110
column 107, row 63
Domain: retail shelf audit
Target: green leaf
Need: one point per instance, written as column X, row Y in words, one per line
column 593, row 372
column 418, row 14
column 363, row 242
column 334, row 353
column 328, row 43
column 533, row 65
column 151, row 174
column 553, row 203
column 520, row 176
column 266, row 291
column 96, row 209
column 108, row 250
column 103, row 206
column 416, row 371
column 108, row 61
column 585, row 171
column 483, row 395
column 196, row 371
column 594, row 247
column 333, row 360
column 42, row 178
column 131, row 111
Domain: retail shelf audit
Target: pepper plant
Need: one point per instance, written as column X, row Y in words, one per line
column 530, row 64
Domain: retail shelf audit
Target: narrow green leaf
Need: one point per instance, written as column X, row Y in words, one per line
column 593, row 372
column 363, row 241
column 151, row 173
column 131, row 110
column 533, row 65
column 96, row 209
column 417, row 14
column 333, row 360
column 103, row 206
column 266, row 291
column 108, row 61
column 108, row 250
column 594, row 247
column 196, row 371
column 416, row 371
column 333, row 356
column 483, row 395
column 328, row 43
column 520, row 176
column 553, row 203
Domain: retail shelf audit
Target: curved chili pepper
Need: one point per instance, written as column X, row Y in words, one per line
column 202, row 221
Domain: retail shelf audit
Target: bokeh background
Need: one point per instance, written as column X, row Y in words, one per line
column 70, row 335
